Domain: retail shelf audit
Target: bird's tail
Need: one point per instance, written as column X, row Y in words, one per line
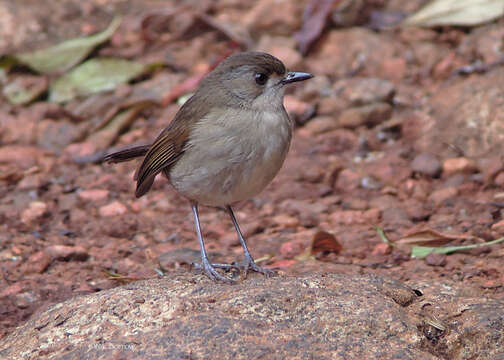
column 126, row 154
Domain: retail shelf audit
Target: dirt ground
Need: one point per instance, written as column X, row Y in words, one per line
column 374, row 147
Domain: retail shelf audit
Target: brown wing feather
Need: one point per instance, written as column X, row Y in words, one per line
column 169, row 145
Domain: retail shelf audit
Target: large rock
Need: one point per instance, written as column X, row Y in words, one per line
column 467, row 113
column 312, row 317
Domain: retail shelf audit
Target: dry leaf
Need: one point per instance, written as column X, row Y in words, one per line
column 456, row 12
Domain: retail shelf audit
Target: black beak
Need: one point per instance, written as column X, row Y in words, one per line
column 296, row 76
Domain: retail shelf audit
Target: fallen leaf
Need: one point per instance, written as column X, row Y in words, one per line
column 108, row 134
column 61, row 57
column 456, row 12
column 422, row 251
column 315, row 19
column 324, row 242
column 24, row 89
column 94, row 76
column 430, row 237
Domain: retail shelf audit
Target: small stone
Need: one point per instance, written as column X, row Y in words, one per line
column 38, row 262
column 427, row 164
column 113, row 209
column 24, row 300
column 434, row 259
column 347, row 180
column 459, row 165
column 363, row 91
column 93, row 195
column 13, row 289
column 441, row 195
column 499, row 179
column 66, row 253
column 35, row 211
column 286, row 221
column 369, row 115
column 382, row 249
column 320, row 125
column 499, row 227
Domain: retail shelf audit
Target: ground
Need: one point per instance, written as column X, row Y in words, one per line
column 385, row 139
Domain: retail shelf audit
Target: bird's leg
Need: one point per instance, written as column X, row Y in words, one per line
column 207, row 267
column 249, row 261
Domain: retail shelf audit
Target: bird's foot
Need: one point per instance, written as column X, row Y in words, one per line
column 213, row 274
column 250, row 265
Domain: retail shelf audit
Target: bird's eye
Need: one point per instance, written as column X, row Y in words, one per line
column 261, row 78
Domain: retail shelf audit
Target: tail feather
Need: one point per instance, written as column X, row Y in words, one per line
column 126, row 154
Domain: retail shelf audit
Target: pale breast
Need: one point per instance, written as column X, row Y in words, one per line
column 233, row 156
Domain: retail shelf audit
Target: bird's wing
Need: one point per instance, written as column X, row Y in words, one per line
column 169, row 145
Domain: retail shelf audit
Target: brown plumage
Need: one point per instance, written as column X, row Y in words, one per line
column 226, row 143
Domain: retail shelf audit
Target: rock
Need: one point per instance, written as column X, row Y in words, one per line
column 344, row 51
column 276, row 17
column 477, row 129
column 369, row 115
column 38, row 262
column 458, row 165
column 344, row 316
column 382, row 249
column 286, row 221
column 282, row 47
column 35, row 211
column 434, row 259
column 347, row 180
column 113, row 209
column 320, row 125
column 427, row 164
column 499, row 227
column 93, row 195
column 66, row 253
column 364, row 91
column 499, row 179
column 441, row 195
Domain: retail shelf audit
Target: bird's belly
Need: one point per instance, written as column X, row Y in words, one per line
column 229, row 169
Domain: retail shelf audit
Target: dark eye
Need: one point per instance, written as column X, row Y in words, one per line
column 261, row 78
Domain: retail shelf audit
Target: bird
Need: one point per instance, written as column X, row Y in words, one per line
column 224, row 145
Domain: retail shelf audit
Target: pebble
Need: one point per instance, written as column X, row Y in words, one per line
column 38, row 262
column 35, row 211
column 93, row 195
column 427, row 164
column 320, row 125
column 286, row 221
column 382, row 249
column 65, row 252
column 369, row 115
column 113, row 209
column 499, row 227
column 363, row 91
column 434, row 259
column 441, row 195
column 459, row 165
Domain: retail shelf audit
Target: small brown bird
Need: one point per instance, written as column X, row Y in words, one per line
column 225, row 144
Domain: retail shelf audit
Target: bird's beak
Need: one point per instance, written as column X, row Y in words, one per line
column 295, row 76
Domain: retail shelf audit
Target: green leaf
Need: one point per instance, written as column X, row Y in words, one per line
column 24, row 89
column 383, row 236
column 456, row 12
column 61, row 57
column 422, row 251
column 94, row 76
